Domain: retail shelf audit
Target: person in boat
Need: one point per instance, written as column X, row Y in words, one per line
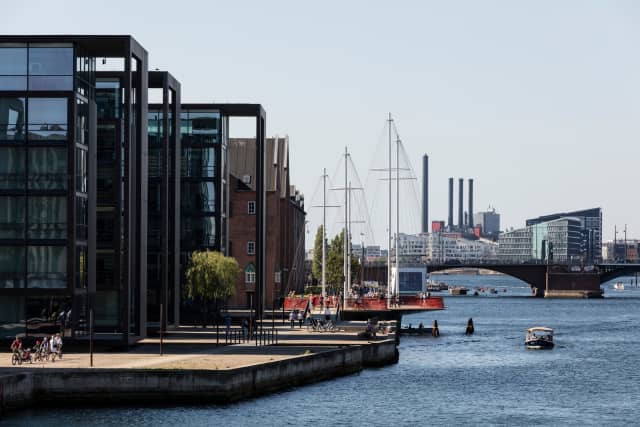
column 435, row 332
column 470, row 330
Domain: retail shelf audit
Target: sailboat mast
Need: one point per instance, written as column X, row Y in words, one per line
column 389, row 229
column 324, row 232
column 346, row 218
column 348, row 237
column 397, row 287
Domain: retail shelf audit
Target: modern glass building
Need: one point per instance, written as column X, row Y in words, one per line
column 557, row 241
column 590, row 229
column 48, row 185
column 93, row 181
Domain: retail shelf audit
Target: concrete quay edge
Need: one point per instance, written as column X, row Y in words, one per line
column 99, row 387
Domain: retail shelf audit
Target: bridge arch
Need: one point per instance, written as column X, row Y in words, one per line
column 532, row 274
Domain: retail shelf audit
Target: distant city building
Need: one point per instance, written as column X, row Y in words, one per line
column 615, row 251
column 445, row 247
column 573, row 236
column 437, row 226
column 591, row 229
column 489, row 223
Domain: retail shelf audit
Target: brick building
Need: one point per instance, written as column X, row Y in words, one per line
column 285, row 222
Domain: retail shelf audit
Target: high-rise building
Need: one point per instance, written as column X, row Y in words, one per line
column 489, row 222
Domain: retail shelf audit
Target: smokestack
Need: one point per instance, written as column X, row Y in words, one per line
column 425, row 194
column 470, row 222
column 450, row 222
column 460, row 203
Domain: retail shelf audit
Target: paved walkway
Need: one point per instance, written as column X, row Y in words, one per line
column 195, row 348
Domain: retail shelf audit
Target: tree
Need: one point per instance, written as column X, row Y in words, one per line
column 211, row 276
column 335, row 263
column 316, row 268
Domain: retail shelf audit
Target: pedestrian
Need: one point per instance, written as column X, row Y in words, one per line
column 470, row 330
column 245, row 327
column 300, row 319
column 292, row 319
column 227, row 322
column 321, row 302
column 327, row 314
column 435, row 332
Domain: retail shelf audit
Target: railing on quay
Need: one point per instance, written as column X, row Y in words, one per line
column 261, row 337
column 402, row 302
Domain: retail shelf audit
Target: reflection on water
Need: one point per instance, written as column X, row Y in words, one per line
column 590, row 378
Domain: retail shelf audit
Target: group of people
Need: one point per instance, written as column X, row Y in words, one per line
column 41, row 349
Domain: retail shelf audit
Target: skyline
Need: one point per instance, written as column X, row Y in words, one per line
column 537, row 100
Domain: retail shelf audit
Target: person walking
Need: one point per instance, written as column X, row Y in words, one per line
column 292, row 319
column 327, row 314
column 300, row 319
column 227, row 323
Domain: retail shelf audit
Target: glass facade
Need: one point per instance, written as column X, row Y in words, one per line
column 203, row 180
column 36, row 66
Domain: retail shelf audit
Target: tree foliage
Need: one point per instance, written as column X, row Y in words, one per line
column 316, row 268
column 335, row 260
column 211, row 276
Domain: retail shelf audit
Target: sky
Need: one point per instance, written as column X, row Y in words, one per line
column 537, row 101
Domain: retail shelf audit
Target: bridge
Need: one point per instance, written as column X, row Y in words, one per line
column 552, row 280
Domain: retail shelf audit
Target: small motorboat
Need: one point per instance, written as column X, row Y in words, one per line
column 539, row 338
column 619, row 286
column 457, row 290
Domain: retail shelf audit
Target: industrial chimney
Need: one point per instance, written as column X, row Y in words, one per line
column 450, row 218
column 425, row 194
column 470, row 223
column 460, row 203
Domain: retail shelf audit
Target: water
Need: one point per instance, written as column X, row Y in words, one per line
column 591, row 377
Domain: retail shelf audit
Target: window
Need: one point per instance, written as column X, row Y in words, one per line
column 251, row 247
column 47, row 168
column 251, row 208
column 11, row 267
column 50, row 68
column 47, row 119
column 250, row 274
column 81, row 170
column 198, row 197
column 12, row 217
column 198, row 162
column 13, row 68
column 12, row 168
column 47, row 217
column 278, row 277
column 47, row 267
column 12, row 119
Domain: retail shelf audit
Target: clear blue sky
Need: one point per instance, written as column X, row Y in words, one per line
column 538, row 101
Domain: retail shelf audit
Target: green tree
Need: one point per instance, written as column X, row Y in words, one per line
column 211, row 276
column 335, row 263
column 316, row 268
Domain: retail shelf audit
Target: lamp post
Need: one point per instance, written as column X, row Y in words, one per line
column 284, row 278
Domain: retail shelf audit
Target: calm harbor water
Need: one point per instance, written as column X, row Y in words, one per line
column 592, row 377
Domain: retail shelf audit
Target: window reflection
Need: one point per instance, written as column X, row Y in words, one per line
column 12, row 118
column 198, row 197
column 13, row 61
column 198, row 162
column 51, row 61
column 12, row 168
column 47, row 119
column 47, row 217
column 47, row 267
column 11, row 267
column 12, row 212
column 47, row 168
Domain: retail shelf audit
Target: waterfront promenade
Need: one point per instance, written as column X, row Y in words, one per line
column 193, row 368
